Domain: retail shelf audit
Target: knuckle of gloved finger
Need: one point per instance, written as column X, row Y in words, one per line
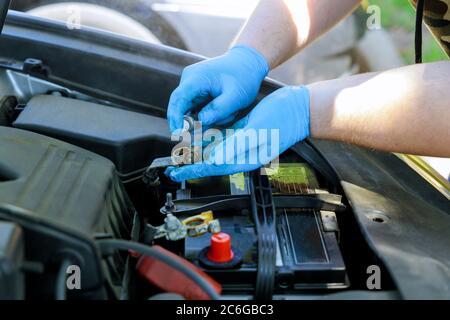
column 197, row 68
column 178, row 99
column 188, row 74
column 173, row 109
column 244, row 92
column 189, row 69
column 176, row 94
column 175, row 118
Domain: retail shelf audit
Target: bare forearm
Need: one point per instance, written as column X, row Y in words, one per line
column 280, row 28
column 405, row 110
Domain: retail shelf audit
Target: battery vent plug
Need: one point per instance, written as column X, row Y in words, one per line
column 220, row 254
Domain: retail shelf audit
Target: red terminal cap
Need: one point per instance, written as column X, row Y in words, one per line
column 220, row 249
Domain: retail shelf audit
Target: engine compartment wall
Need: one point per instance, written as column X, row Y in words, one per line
column 62, row 196
column 60, row 183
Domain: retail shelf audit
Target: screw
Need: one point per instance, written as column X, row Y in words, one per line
column 169, row 205
column 188, row 123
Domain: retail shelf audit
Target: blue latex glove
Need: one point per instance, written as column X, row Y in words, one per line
column 232, row 81
column 287, row 110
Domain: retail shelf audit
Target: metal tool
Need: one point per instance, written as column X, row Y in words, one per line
column 180, row 156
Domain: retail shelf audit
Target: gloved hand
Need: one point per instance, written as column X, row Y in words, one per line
column 286, row 111
column 232, row 81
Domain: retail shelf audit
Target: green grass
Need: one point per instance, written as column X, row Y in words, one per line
column 400, row 14
column 432, row 51
column 396, row 13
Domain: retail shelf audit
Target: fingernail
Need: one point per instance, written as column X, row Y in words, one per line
column 169, row 171
column 177, row 132
column 173, row 175
column 175, row 126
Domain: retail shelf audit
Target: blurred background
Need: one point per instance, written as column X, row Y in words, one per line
column 398, row 18
column 208, row 27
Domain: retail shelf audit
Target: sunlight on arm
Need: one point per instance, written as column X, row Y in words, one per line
column 301, row 18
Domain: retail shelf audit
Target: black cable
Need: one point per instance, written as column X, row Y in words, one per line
column 61, row 285
column 111, row 245
column 418, row 38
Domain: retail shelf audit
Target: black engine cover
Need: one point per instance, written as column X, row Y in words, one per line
column 129, row 139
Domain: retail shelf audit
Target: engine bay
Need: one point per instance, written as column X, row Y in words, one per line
column 71, row 175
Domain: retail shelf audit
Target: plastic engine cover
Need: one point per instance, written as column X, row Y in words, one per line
column 61, row 195
column 127, row 138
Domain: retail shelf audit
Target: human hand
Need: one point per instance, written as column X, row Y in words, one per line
column 273, row 126
column 232, row 80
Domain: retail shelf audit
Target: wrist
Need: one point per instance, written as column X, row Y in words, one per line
column 301, row 112
column 252, row 57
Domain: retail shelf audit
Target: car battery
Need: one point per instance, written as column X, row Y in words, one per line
column 307, row 253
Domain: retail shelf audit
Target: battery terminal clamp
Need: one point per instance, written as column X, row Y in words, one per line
column 197, row 226
column 175, row 229
column 181, row 155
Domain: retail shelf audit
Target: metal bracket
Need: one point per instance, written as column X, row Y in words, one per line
column 319, row 201
column 329, row 222
column 175, row 229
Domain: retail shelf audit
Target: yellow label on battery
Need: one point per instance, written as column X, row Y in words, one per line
column 292, row 178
